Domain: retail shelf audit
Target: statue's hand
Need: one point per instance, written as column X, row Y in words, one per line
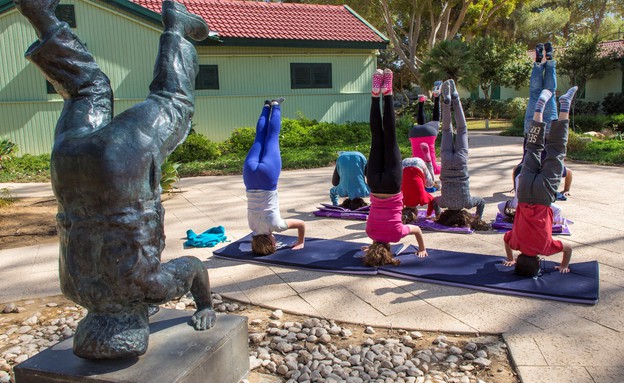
column 204, row 319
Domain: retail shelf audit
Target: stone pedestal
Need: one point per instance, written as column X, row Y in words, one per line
column 176, row 354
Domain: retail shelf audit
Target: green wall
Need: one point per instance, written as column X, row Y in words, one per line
column 125, row 48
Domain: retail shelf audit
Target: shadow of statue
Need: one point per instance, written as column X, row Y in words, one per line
column 106, row 174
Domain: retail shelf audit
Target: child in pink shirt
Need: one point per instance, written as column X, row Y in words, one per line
column 384, row 175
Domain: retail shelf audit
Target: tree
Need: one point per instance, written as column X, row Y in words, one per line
column 451, row 59
column 583, row 60
column 501, row 63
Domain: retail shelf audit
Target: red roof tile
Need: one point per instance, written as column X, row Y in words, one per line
column 283, row 21
column 605, row 47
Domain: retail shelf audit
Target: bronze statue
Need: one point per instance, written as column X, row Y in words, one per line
column 106, row 176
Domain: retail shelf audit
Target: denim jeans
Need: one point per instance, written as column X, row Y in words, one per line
column 543, row 76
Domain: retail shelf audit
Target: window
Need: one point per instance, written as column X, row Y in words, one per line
column 208, row 77
column 50, row 88
column 65, row 12
column 496, row 92
column 310, row 76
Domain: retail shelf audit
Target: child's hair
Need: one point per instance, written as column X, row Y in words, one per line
column 353, row 204
column 461, row 218
column 379, row 254
column 409, row 214
column 527, row 266
column 510, row 212
column 262, row 244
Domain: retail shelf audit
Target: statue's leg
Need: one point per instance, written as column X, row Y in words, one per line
column 169, row 107
column 67, row 64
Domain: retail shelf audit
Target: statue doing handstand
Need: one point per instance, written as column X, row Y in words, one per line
column 105, row 174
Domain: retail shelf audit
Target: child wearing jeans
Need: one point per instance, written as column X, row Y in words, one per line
column 384, row 176
column 537, row 189
column 261, row 172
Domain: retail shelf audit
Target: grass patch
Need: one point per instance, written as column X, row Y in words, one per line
column 6, row 199
column 27, row 168
column 602, row 152
column 494, row 124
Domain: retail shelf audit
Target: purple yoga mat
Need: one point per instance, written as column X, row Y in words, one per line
column 331, row 211
column 427, row 223
column 558, row 229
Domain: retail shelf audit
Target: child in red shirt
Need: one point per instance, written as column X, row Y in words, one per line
column 537, row 189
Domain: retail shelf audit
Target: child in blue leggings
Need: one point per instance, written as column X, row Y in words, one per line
column 261, row 172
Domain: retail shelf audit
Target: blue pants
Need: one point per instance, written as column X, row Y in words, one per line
column 263, row 163
column 543, row 76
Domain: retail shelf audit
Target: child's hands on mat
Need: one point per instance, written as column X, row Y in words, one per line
column 364, row 248
column 422, row 253
column 509, row 263
column 298, row 246
column 562, row 269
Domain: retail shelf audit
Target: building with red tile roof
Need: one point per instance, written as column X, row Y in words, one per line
column 319, row 57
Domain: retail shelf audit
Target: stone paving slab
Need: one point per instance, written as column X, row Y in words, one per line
column 549, row 341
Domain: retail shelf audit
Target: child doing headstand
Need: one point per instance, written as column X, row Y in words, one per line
column 536, row 190
column 261, row 172
column 417, row 175
column 384, row 178
column 349, row 180
column 454, row 174
column 423, row 135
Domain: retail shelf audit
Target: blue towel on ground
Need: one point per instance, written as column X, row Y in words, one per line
column 208, row 238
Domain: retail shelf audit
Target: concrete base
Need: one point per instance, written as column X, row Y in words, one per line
column 176, row 354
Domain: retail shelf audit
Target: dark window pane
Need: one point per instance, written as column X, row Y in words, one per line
column 65, row 12
column 50, row 88
column 208, row 77
column 310, row 76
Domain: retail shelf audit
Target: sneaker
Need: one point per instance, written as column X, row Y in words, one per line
column 561, row 197
column 386, row 87
column 436, row 88
column 539, row 53
column 378, row 78
column 454, row 94
column 278, row 101
column 422, row 98
column 549, row 51
column 446, row 92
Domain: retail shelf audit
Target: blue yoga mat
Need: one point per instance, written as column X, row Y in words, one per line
column 318, row 254
column 475, row 271
column 487, row 273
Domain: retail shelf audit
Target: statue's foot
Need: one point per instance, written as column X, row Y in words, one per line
column 35, row 8
column 112, row 336
column 176, row 17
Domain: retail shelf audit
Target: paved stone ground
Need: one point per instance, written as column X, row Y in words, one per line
column 549, row 341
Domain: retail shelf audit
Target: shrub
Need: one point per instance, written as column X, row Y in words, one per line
column 239, row 141
column 515, row 107
column 7, row 149
column 517, row 127
column 587, row 123
column 613, row 103
column 27, row 168
column 586, row 107
column 196, row 147
column 169, row 175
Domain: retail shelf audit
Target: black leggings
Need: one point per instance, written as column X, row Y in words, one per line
column 384, row 171
column 420, row 118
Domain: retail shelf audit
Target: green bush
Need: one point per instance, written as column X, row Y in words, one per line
column 613, row 103
column 587, row 122
column 196, row 147
column 515, row 107
column 585, row 107
column 169, row 175
column 517, row 127
column 609, row 152
column 27, row 168
column 7, row 149
column 240, row 141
